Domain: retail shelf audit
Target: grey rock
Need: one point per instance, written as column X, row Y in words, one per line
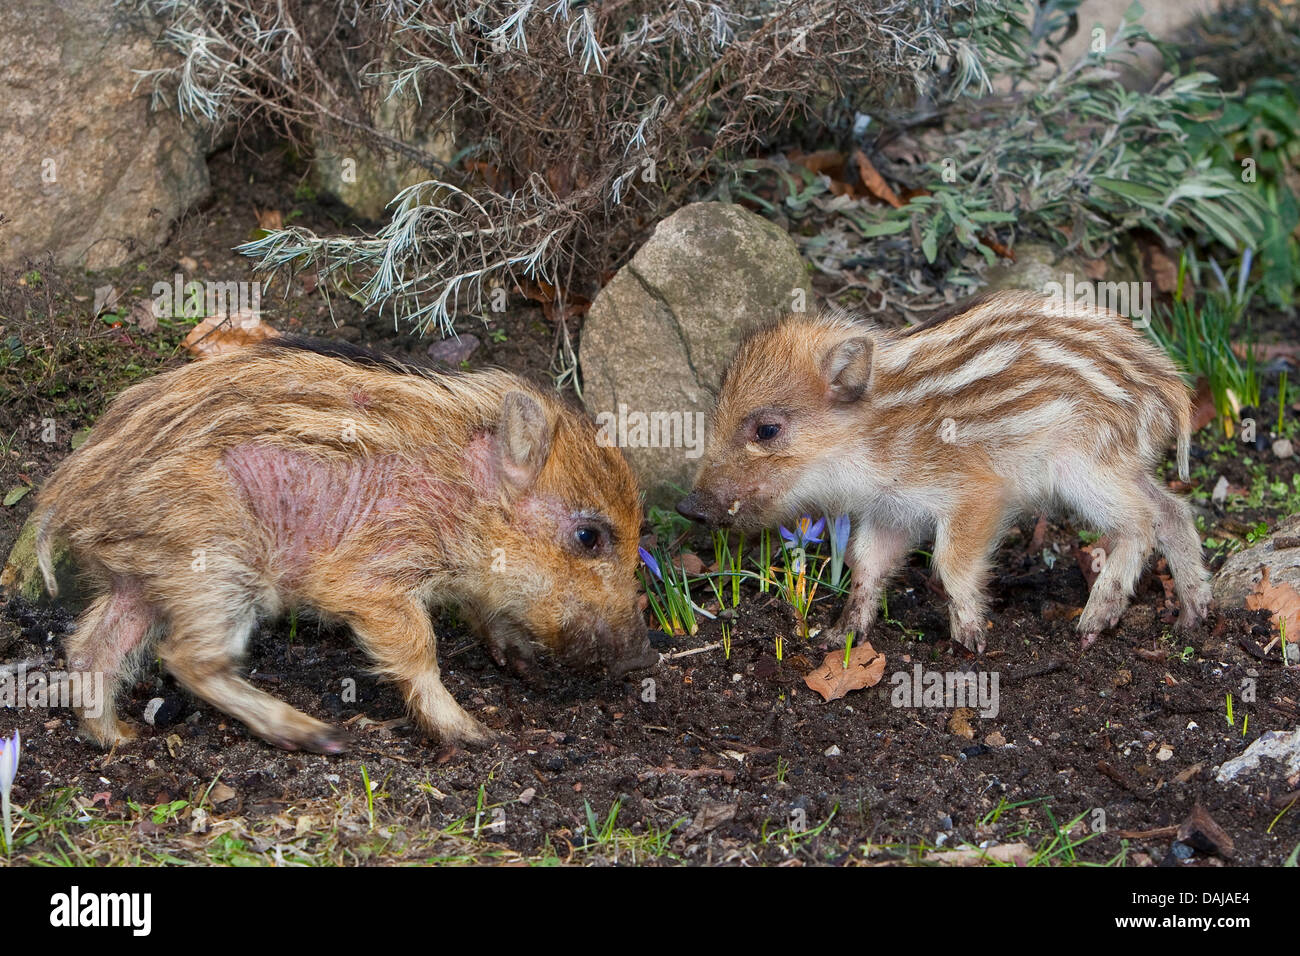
column 660, row 334
column 91, row 174
column 454, row 351
column 22, row 576
column 1281, row 746
column 366, row 179
column 1243, row 570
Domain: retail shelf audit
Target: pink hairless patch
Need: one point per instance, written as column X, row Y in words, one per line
column 308, row 505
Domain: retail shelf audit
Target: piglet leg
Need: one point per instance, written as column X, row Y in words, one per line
column 874, row 555
column 401, row 640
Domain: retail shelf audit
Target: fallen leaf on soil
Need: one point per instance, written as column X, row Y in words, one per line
column 1017, row 854
column 1159, row 266
column 142, row 316
column 1000, row 249
column 959, row 723
column 1203, row 410
column 828, row 161
column 833, row 680
column 222, row 333
column 691, row 563
column 874, row 182
column 221, row 793
column 1280, row 600
column 710, row 817
column 1092, row 558
column 105, row 299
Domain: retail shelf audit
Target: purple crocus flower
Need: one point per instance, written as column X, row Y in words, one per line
column 9, row 752
column 805, row 532
column 840, row 533
column 649, row 561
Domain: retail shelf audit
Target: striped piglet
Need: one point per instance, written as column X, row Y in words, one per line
column 953, row 428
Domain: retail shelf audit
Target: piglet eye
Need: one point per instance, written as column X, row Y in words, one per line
column 588, row 537
column 768, row 431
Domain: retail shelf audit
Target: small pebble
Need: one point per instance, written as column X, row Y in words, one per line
column 1164, row 753
column 1220, row 493
column 832, row 751
column 161, row 711
column 454, row 351
column 1283, row 448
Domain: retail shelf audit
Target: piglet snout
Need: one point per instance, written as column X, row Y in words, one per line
column 698, row 507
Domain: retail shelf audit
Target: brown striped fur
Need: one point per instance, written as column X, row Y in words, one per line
column 953, row 428
column 280, row 477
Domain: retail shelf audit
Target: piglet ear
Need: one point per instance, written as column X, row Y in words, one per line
column 524, row 437
column 846, row 369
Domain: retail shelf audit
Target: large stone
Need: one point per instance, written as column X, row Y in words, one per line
column 366, row 179
column 90, row 173
column 658, row 337
column 1240, row 574
column 1035, row 266
column 22, row 575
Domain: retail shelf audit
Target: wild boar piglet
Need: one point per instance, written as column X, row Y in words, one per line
column 952, row 429
column 297, row 474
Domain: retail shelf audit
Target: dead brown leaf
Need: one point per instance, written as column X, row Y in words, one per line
column 1159, row 266
column 828, row 161
column 874, row 182
column 1017, row 854
column 833, row 680
column 222, row 333
column 1092, row 558
column 690, row 562
column 1203, row 410
column 1280, row 600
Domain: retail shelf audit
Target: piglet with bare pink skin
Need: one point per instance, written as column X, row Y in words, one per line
column 297, row 474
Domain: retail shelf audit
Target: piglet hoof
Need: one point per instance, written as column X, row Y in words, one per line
column 106, row 732
column 971, row 637
column 1193, row 614
column 837, row 635
column 470, row 737
column 327, row 740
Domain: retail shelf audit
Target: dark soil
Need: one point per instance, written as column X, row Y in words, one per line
column 735, row 759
